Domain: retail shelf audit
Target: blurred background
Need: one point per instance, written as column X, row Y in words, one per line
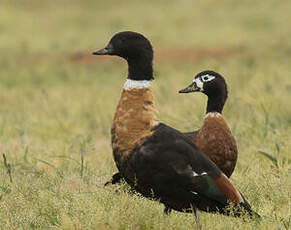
column 47, row 45
column 57, row 102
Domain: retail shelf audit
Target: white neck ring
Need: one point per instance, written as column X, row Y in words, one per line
column 213, row 114
column 133, row 84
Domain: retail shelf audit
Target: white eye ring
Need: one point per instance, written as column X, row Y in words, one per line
column 207, row 77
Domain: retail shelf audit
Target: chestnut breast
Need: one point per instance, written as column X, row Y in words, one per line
column 216, row 140
column 134, row 118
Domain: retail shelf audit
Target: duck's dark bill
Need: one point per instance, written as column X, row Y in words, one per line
column 105, row 51
column 191, row 88
column 100, row 52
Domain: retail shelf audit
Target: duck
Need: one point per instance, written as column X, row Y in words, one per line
column 156, row 160
column 214, row 138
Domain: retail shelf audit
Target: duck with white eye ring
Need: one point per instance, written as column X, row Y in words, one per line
column 214, row 138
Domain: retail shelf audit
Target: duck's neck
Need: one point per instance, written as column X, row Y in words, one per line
column 137, row 101
column 215, row 104
column 140, row 68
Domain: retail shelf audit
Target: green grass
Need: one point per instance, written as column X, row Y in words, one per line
column 57, row 104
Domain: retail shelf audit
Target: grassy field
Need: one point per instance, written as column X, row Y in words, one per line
column 57, row 103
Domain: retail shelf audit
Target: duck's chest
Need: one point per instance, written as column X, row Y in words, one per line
column 133, row 122
column 215, row 139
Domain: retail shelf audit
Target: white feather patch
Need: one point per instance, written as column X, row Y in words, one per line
column 133, row 84
column 213, row 114
column 207, row 77
column 199, row 83
column 196, row 174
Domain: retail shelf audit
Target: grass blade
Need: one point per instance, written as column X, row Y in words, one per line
column 269, row 156
column 8, row 167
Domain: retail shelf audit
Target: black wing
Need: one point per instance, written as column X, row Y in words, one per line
column 179, row 174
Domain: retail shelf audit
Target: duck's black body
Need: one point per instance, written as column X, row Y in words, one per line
column 155, row 159
column 162, row 168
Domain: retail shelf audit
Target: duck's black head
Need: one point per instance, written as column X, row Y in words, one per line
column 136, row 49
column 213, row 85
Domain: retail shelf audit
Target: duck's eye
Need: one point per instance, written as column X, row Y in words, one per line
column 207, row 77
